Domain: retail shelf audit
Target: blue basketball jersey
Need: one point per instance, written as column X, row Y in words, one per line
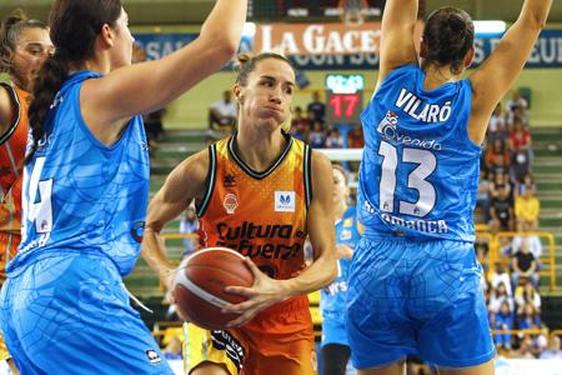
column 332, row 297
column 81, row 195
column 419, row 172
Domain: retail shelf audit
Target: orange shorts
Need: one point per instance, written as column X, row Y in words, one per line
column 9, row 242
column 278, row 341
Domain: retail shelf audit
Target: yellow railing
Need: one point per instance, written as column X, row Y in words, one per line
column 481, row 232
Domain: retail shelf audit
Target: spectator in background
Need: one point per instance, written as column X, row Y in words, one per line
column 526, row 183
column 519, row 137
column 501, row 276
column 524, row 265
column 517, row 101
column 223, row 114
column 501, row 212
column 497, row 155
column 300, row 126
column 529, row 318
column 503, row 320
column 483, row 196
column 533, row 241
column 527, row 209
column 189, row 225
column 317, row 137
column 525, row 350
column 334, row 139
column 497, row 127
column 520, row 165
column 527, row 294
column 317, row 107
column 498, row 296
column 553, row 351
column 355, row 138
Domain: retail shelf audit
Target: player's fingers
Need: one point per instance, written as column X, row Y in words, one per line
column 240, row 290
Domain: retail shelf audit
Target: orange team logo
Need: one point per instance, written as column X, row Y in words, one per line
column 230, row 203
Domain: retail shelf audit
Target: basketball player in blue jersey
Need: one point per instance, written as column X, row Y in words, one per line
column 64, row 308
column 335, row 346
column 414, row 280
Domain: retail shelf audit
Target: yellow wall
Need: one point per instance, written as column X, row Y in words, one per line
column 190, row 111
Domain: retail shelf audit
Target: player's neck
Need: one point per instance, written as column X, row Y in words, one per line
column 436, row 76
column 259, row 149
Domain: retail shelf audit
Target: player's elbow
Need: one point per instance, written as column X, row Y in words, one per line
column 223, row 48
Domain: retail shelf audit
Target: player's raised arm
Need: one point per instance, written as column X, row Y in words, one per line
column 397, row 36
column 492, row 80
column 185, row 182
column 148, row 86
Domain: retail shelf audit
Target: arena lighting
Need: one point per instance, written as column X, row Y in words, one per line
column 489, row 27
column 249, row 30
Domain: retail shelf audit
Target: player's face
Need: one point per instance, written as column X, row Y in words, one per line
column 122, row 52
column 341, row 191
column 33, row 46
column 267, row 98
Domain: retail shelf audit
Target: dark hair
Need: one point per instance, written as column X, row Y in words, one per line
column 11, row 28
column 448, row 36
column 247, row 64
column 74, row 27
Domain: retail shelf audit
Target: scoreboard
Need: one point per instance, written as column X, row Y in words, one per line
column 344, row 98
column 302, row 9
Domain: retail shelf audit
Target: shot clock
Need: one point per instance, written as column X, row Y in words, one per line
column 344, row 98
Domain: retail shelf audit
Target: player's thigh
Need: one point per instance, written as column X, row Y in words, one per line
column 393, row 369
column 487, row 368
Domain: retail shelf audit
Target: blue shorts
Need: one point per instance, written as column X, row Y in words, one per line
column 71, row 315
column 417, row 298
column 333, row 330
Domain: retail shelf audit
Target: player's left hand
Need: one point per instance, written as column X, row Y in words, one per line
column 264, row 293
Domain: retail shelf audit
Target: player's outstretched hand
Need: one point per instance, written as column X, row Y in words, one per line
column 264, row 293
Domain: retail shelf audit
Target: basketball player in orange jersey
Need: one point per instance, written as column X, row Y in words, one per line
column 24, row 45
column 260, row 192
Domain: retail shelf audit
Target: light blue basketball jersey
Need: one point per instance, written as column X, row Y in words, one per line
column 80, row 195
column 332, row 297
column 419, row 172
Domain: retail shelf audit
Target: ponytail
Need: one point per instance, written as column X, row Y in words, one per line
column 48, row 82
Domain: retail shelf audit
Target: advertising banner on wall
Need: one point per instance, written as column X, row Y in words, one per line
column 331, row 46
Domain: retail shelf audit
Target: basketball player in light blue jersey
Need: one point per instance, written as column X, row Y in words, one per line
column 335, row 346
column 414, row 281
column 64, row 308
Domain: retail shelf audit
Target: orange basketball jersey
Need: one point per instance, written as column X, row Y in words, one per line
column 12, row 153
column 261, row 215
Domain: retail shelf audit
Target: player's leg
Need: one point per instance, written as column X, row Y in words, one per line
column 335, row 358
column 397, row 368
column 483, row 369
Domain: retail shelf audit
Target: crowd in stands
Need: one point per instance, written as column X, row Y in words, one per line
column 313, row 128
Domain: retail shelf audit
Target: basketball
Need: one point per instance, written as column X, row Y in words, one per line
column 201, row 282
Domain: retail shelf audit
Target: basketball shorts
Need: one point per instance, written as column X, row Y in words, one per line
column 280, row 343
column 71, row 315
column 333, row 329
column 417, row 298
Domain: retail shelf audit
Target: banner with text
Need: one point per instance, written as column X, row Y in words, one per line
column 331, row 46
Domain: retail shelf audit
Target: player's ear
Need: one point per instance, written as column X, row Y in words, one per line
column 237, row 90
